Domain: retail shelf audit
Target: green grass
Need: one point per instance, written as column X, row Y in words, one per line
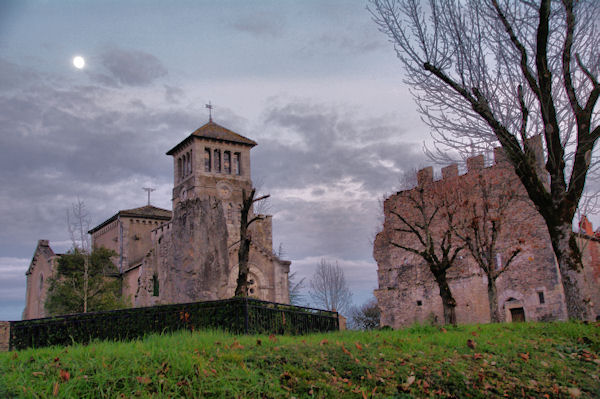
column 508, row 360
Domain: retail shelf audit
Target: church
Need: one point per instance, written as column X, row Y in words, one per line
column 190, row 253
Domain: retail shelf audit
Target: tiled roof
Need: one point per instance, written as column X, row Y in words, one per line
column 146, row 212
column 213, row 131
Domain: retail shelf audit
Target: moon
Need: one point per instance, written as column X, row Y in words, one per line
column 78, row 62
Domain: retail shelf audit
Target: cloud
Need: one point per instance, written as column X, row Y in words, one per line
column 58, row 143
column 129, row 68
column 324, row 144
column 260, row 25
column 12, row 287
column 14, row 76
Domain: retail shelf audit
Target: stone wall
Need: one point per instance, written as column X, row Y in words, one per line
column 189, row 256
column 4, row 336
column 407, row 291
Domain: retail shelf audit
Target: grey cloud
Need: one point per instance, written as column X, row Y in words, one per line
column 173, row 94
column 13, row 76
column 335, row 145
column 260, row 25
column 129, row 67
column 58, row 143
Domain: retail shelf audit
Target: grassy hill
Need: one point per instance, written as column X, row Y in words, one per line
column 534, row 360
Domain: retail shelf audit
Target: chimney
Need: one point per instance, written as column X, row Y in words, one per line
column 499, row 155
column 43, row 243
column 535, row 145
column 450, row 171
column 475, row 164
column 425, row 176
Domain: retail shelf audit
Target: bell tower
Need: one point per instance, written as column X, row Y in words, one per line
column 212, row 161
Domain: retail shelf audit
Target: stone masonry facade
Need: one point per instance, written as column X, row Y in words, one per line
column 529, row 289
column 188, row 254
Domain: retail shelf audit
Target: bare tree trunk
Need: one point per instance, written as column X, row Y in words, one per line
column 568, row 257
column 493, row 300
column 86, row 280
column 244, row 249
column 448, row 301
column 245, row 240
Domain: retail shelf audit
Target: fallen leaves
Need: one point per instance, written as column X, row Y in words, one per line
column 471, row 344
column 405, row 387
column 143, row 380
column 524, row 356
column 55, row 389
column 64, row 375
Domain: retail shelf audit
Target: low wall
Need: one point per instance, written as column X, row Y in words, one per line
column 4, row 335
column 236, row 315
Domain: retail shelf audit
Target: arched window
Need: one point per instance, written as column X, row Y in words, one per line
column 236, row 164
column 155, row 287
column 179, row 169
column 230, row 213
column 207, row 159
column 227, row 162
column 218, row 161
column 41, row 283
column 189, row 157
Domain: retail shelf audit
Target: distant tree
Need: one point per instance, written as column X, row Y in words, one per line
column 246, row 219
column 501, row 71
column 424, row 226
column 296, row 296
column 85, row 280
column 73, row 291
column 485, row 206
column 328, row 287
column 365, row 316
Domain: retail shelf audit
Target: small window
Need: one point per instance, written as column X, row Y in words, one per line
column 236, row 164
column 498, row 261
column 217, row 160
column 155, row 287
column 230, row 213
column 541, row 297
column 419, row 303
column 227, row 162
column 207, row 159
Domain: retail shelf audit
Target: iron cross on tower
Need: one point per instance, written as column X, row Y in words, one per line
column 210, row 108
column 149, row 190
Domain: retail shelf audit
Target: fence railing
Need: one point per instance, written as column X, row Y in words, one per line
column 236, row 315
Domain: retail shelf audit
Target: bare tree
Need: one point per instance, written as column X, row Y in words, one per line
column 365, row 316
column 425, row 227
column 78, row 223
column 328, row 287
column 295, row 289
column 247, row 217
column 489, row 71
column 486, row 206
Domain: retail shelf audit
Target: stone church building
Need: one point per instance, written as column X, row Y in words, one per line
column 530, row 289
column 188, row 254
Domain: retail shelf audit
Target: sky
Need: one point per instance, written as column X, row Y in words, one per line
column 313, row 82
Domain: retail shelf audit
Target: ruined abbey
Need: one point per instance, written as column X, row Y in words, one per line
column 190, row 253
column 529, row 289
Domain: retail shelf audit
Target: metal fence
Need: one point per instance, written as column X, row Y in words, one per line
column 236, row 315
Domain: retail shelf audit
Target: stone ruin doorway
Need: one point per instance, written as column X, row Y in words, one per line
column 517, row 315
